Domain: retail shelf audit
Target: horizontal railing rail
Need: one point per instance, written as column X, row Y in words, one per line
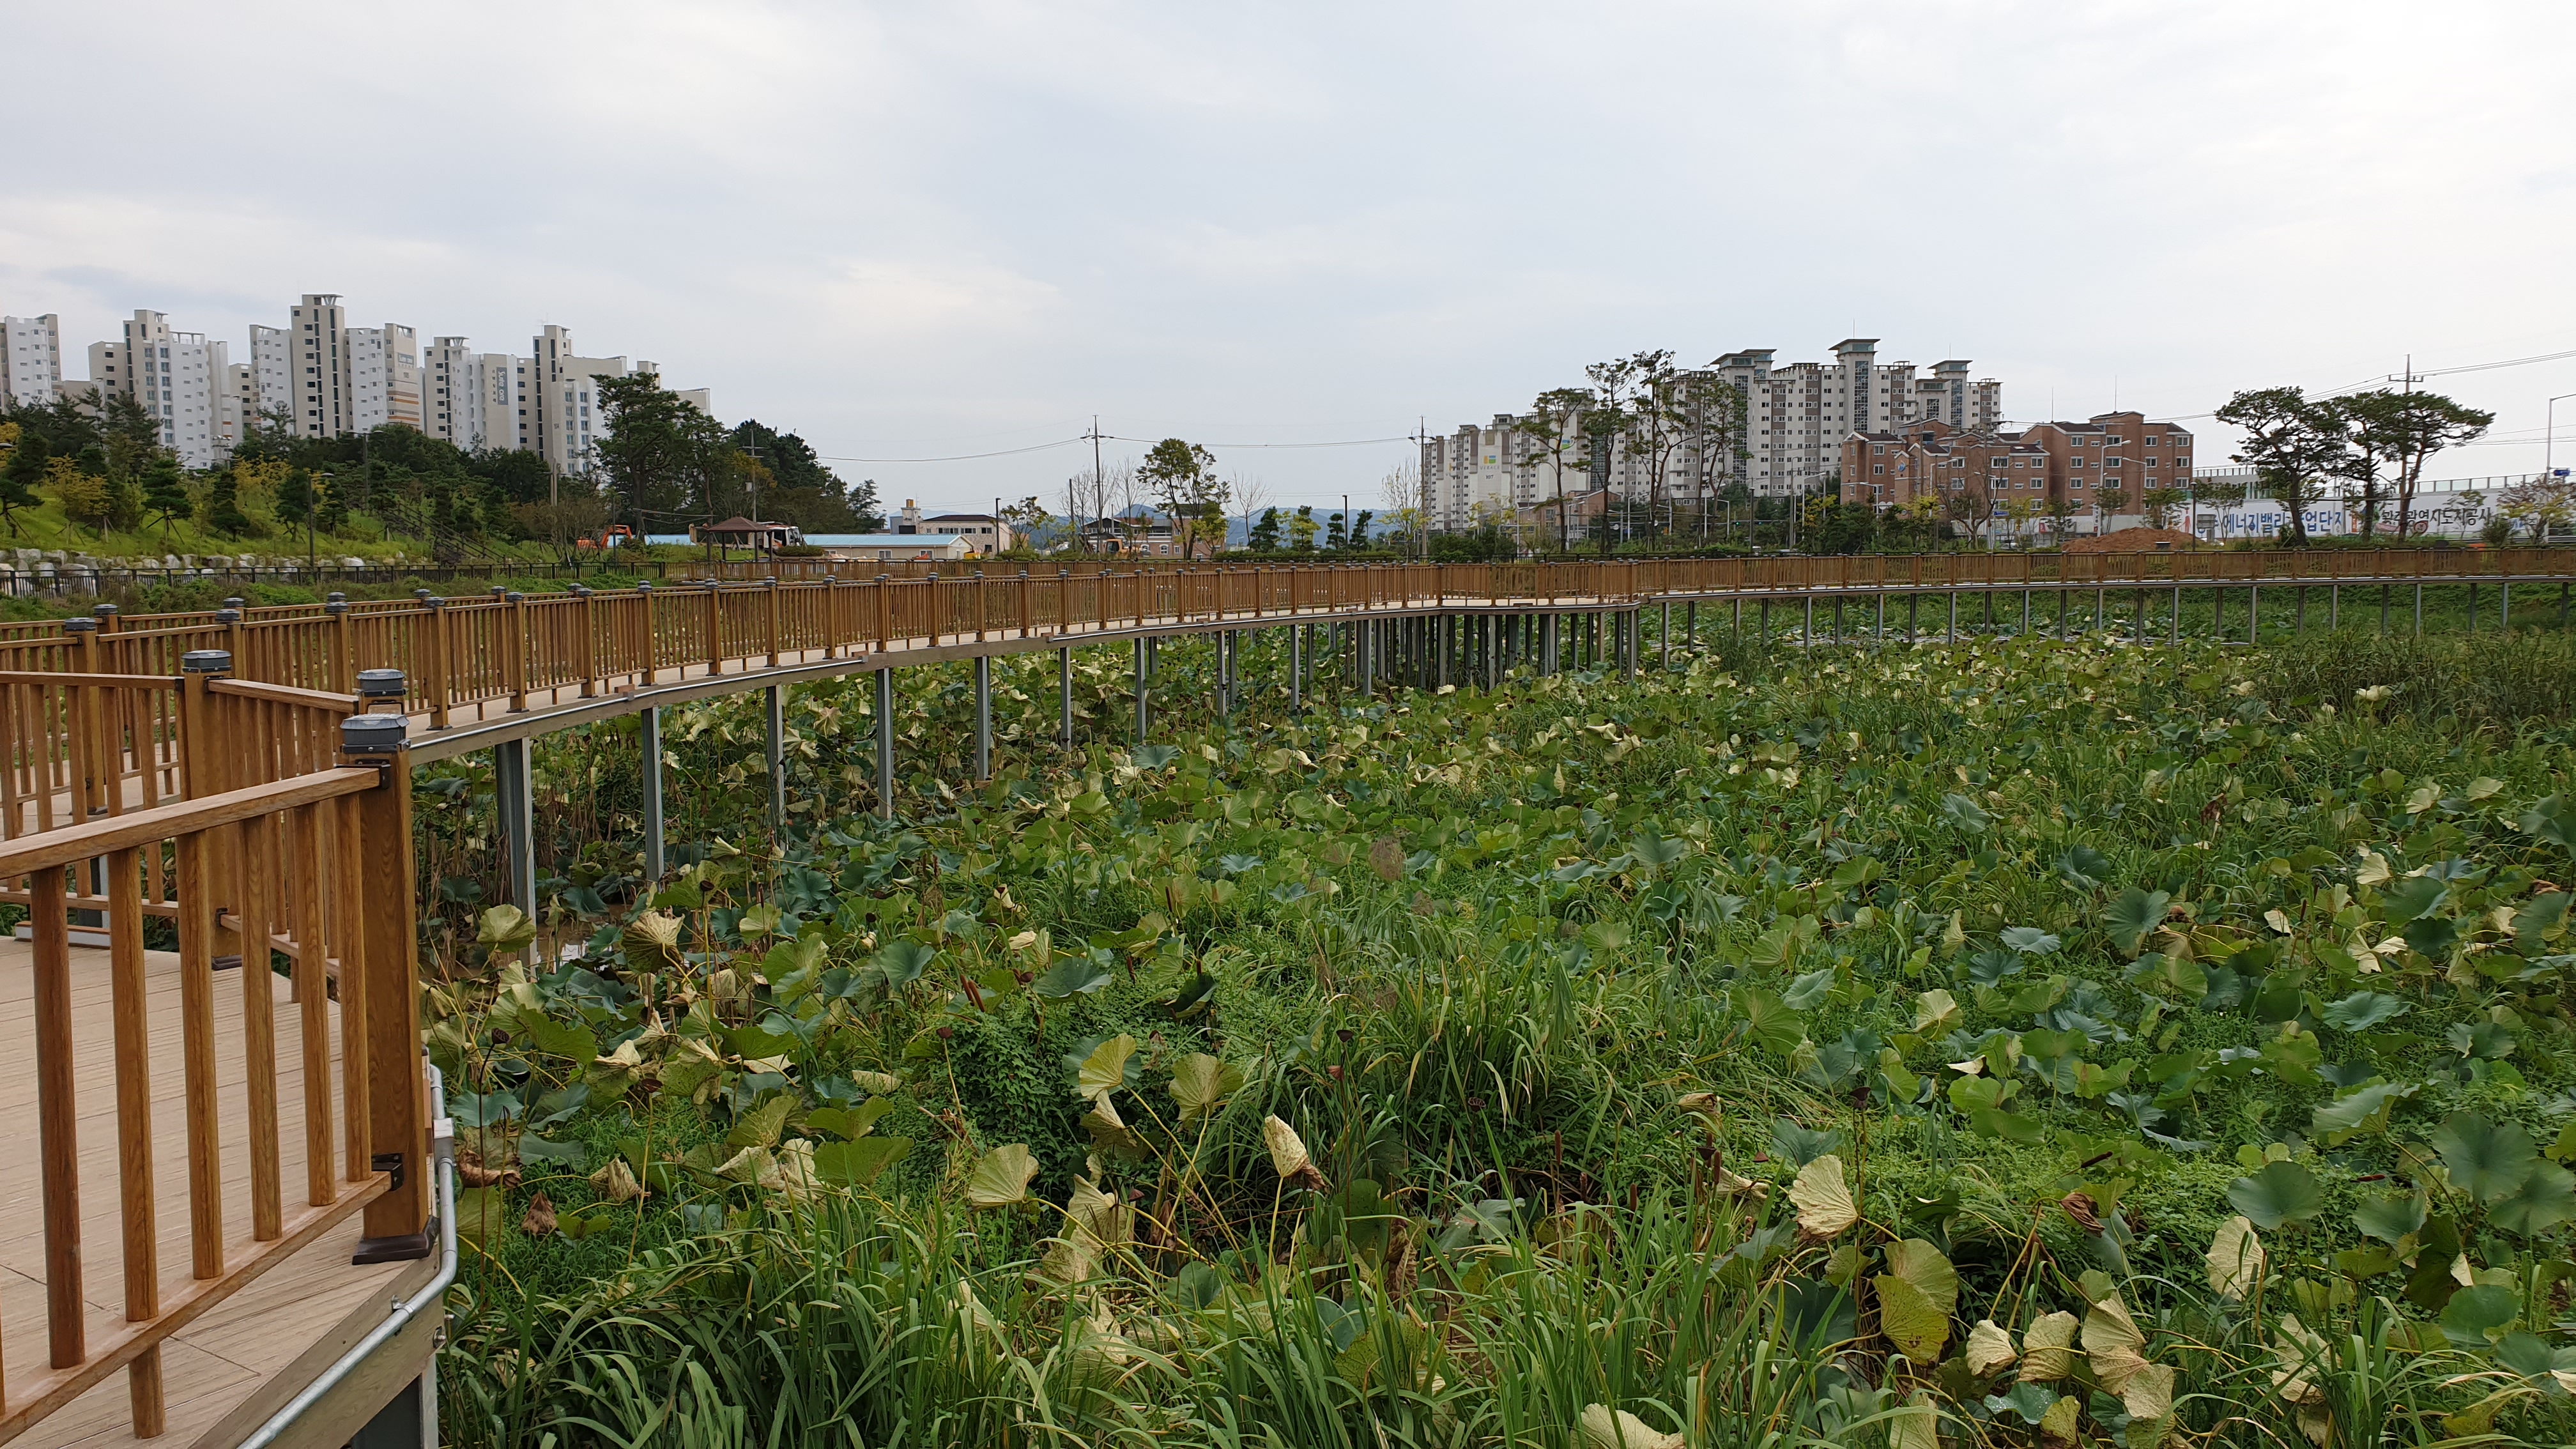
column 503, row 650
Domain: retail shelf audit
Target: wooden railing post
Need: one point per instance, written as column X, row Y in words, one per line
column 589, row 640
column 344, row 654
column 440, row 684
column 769, row 588
column 715, row 626
column 397, row 1224
column 644, row 606
column 515, row 652
column 57, row 1122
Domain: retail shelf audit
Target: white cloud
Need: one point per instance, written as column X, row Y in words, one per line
column 892, row 226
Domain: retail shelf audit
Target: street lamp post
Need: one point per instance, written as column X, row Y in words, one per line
column 2549, row 435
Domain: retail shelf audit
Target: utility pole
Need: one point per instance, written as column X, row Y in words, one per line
column 1099, row 479
column 1422, row 445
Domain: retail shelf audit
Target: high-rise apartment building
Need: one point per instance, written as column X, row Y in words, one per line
column 194, row 370
column 384, row 377
column 563, row 411
column 318, row 359
column 31, row 359
column 237, row 404
column 1796, row 416
column 272, row 376
column 176, row 378
column 451, row 393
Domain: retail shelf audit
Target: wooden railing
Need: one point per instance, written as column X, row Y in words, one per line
column 311, row 863
column 477, row 650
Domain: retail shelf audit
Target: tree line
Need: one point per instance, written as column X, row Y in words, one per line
column 662, row 462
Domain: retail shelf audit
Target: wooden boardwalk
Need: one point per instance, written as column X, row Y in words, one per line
column 227, row 1371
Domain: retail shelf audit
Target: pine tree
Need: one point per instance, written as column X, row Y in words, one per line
column 223, row 507
column 165, row 492
column 18, row 480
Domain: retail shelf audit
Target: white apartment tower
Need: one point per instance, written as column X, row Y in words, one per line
column 31, row 359
column 272, row 373
column 1796, row 416
column 193, row 405
column 237, row 405
column 451, row 393
column 384, row 376
column 175, row 377
column 318, row 356
column 507, row 401
column 1481, row 472
column 565, row 414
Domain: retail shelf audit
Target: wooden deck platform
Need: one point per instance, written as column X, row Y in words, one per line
column 246, row 1356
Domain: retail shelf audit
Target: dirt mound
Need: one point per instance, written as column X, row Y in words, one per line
column 2134, row 540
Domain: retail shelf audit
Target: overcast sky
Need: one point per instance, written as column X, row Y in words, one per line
column 917, row 230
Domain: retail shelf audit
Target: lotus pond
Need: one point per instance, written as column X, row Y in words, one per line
column 2016, row 1042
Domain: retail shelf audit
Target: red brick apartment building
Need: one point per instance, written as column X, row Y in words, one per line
column 2075, row 463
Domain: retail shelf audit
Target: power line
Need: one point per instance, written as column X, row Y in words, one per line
column 1343, row 443
column 1096, row 436
column 957, row 457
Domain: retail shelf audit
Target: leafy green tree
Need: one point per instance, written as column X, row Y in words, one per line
column 802, row 489
column 2159, row 504
column 1302, row 529
column 1264, row 535
column 1336, row 539
column 659, row 451
column 1031, row 525
column 2107, row 505
column 1842, row 527
column 2294, row 445
column 2061, row 516
column 1553, row 425
column 223, row 506
column 1181, row 478
column 165, row 492
column 129, row 437
column 518, row 474
column 1359, row 535
column 299, row 502
column 2407, row 429
column 86, row 495
column 20, row 475
column 1714, row 433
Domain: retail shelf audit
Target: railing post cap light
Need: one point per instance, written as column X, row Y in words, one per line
column 104, row 611
column 206, row 661
column 234, row 602
column 514, row 597
column 421, row 594
column 335, row 597
column 643, row 586
column 222, row 616
column 581, row 591
column 79, row 625
column 382, row 684
column 336, row 606
column 433, row 601
column 374, row 734
column 499, row 589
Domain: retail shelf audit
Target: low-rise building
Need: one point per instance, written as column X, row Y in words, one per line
column 893, row 547
column 982, row 531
